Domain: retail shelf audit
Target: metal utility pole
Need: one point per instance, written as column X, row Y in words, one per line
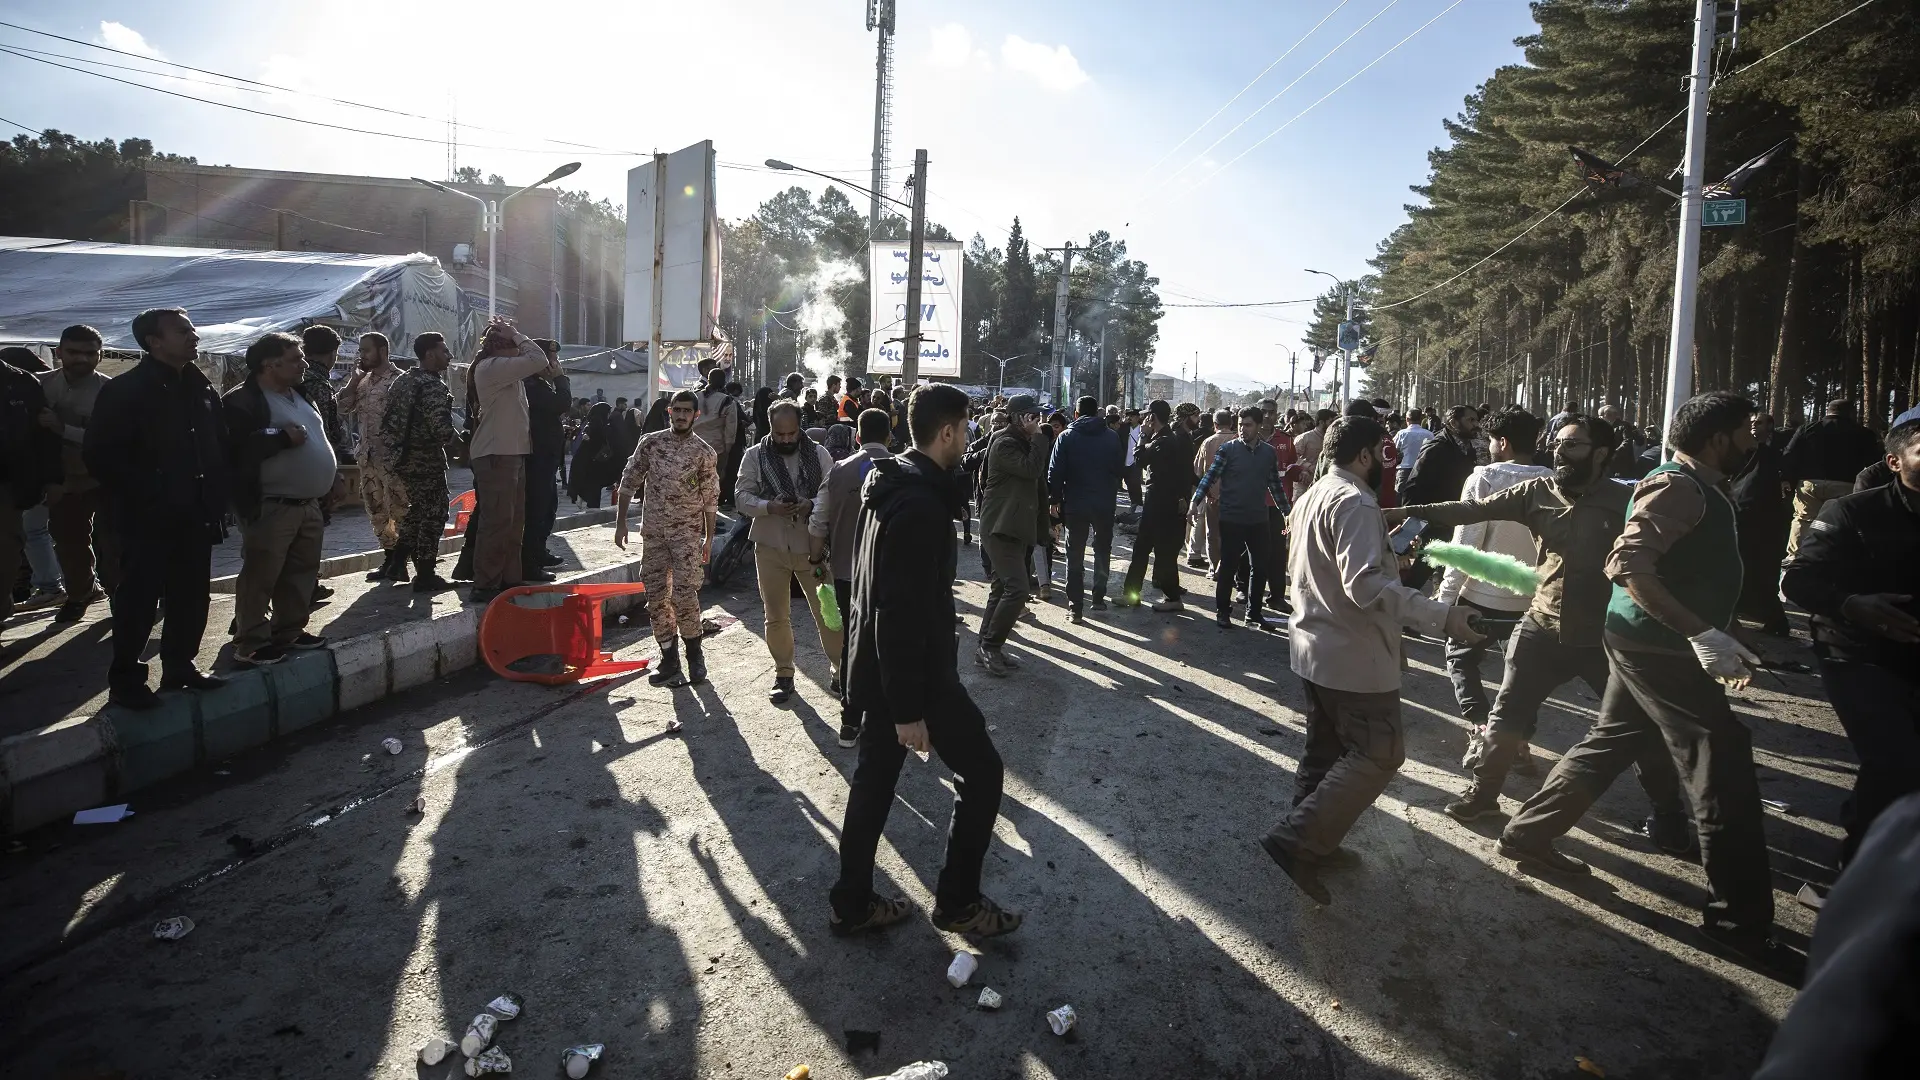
column 1686, row 271
column 916, row 250
column 1101, row 393
column 880, row 17
column 1060, row 317
column 1346, row 358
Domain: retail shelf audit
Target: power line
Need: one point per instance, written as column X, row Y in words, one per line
column 1798, row 40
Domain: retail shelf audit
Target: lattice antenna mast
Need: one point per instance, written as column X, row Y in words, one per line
column 880, row 17
column 453, row 137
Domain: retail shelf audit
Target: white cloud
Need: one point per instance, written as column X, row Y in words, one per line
column 125, row 38
column 1052, row 67
column 952, row 45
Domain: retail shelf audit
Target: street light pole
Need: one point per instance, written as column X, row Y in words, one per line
column 1292, row 371
column 492, row 222
column 916, row 250
column 1686, row 271
column 1346, row 355
column 1004, row 360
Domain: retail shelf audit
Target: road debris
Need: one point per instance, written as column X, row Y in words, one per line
column 103, row 815
column 1062, row 1019
column 578, row 1059
column 435, row 1050
column 1587, row 1066
column 674, row 725
column 479, row 1034
column 495, row 1060
column 172, row 929
column 962, row 968
column 919, row 1070
column 393, row 745
column 989, row 998
column 798, row 1072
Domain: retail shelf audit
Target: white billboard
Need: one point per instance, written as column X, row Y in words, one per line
column 942, row 266
column 672, row 225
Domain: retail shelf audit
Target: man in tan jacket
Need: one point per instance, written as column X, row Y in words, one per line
column 780, row 481
column 498, row 452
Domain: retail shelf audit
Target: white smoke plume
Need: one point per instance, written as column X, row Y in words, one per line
column 821, row 318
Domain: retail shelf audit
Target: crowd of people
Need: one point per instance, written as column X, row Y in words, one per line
column 1645, row 553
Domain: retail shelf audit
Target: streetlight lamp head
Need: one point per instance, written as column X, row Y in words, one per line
column 429, row 183
column 568, row 169
column 776, row 163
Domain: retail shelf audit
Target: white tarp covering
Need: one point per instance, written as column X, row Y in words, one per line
column 232, row 296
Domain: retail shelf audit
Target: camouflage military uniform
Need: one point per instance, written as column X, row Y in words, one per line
column 680, row 482
column 381, row 490
column 318, row 390
column 415, row 428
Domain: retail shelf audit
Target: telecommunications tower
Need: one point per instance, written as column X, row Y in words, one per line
column 880, row 17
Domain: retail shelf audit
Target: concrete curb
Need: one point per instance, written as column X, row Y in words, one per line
column 363, row 561
column 46, row 776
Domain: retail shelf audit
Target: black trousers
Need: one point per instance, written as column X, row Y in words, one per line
column 1133, row 474
column 169, row 555
column 1463, row 664
column 1160, row 536
column 730, row 471
column 959, row 737
column 1243, row 545
column 1879, row 709
column 1662, row 697
column 543, row 505
column 1763, row 544
column 1078, row 525
column 843, row 592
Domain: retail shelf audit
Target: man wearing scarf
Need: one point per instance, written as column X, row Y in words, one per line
column 779, row 480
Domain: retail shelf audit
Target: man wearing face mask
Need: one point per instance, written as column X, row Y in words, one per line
column 1575, row 516
column 779, row 481
column 1676, row 582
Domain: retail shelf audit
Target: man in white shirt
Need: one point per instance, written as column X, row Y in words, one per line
column 1409, row 442
column 501, row 442
column 1348, row 611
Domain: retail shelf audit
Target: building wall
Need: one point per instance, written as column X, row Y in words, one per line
column 549, row 258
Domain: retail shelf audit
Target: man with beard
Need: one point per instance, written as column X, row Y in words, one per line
column 1445, row 461
column 415, row 425
column 1676, row 581
column 1247, row 473
column 779, row 481
column 679, row 477
column 902, row 674
column 1167, row 458
column 1348, row 611
column 1009, row 515
column 382, row 492
column 78, row 517
column 1575, row 516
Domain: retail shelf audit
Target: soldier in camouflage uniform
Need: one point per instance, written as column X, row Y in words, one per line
column 678, row 477
column 323, row 349
column 381, row 492
column 416, row 426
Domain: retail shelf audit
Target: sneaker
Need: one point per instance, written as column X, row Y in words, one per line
column 1526, row 764
column 1542, row 858
column 881, row 913
column 550, row 559
column 260, row 657
column 133, row 697
column 1099, row 603
column 982, row 918
column 1197, row 562
column 1474, row 804
column 1255, row 622
column 1670, row 834
column 1007, row 659
column 837, row 686
column 306, row 641
column 1167, row 605
column 1076, row 616
column 992, row 660
column 42, row 600
column 70, row 612
column 782, row 690
column 1304, row 873
column 849, row 735
column 1225, row 619
column 322, row 594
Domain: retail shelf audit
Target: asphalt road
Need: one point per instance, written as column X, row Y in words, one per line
column 665, row 893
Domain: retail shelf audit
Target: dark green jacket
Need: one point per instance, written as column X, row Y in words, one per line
column 1011, row 505
column 1702, row 569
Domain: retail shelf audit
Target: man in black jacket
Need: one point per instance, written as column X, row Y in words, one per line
column 158, row 444
column 547, row 446
column 1821, row 461
column 1166, row 454
column 1858, row 571
column 903, row 674
column 1760, row 507
column 29, row 467
column 283, row 469
column 1444, row 464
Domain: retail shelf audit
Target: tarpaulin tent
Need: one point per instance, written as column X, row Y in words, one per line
column 233, row 296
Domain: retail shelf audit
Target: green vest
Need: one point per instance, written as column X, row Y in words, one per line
column 1702, row 571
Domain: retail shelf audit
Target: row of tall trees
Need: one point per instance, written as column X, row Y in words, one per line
column 794, row 297
column 1815, row 298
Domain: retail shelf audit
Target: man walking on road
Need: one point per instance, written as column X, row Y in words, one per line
column 1575, row 517
column 1247, row 473
column 382, row 493
column 903, row 676
column 1083, row 480
column 678, row 477
column 1676, row 581
column 1166, row 457
column 779, row 482
column 158, row 444
column 1009, row 519
column 1761, row 512
column 1203, row 542
column 283, row 472
column 77, row 517
column 1348, row 611
column 835, row 529
column 415, row 426
column 1857, row 572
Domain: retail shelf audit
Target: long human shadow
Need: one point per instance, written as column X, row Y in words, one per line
column 1221, row 1023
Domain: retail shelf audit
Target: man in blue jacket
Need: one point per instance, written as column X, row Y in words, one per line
column 1082, row 482
column 1246, row 470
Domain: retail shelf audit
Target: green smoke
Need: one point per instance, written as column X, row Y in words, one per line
column 1489, row 566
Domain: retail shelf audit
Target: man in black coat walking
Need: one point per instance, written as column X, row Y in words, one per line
column 903, row 674
column 1760, row 509
column 29, row 466
column 1166, row 453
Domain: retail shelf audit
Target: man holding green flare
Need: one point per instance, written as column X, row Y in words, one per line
column 1575, row 516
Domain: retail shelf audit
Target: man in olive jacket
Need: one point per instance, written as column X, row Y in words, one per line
column 1009, row 515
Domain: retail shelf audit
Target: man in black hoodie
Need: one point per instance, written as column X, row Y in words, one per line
column 903, row 674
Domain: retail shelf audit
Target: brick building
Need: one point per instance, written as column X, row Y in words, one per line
column 559, row 275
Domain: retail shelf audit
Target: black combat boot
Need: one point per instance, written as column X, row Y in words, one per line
column 696, row 662
column 667, row 671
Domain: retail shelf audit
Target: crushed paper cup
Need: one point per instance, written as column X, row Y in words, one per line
column 989, row 998
column 173, row 929
column 393, row 745
column 507, row 1006
column 1061, row 1020
column 578, row 1059
column 963, row 966
column 435, row 1050
column 479, row 1034
column 495, row 1060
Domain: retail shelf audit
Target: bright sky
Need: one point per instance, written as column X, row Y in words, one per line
column 1075, row 115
